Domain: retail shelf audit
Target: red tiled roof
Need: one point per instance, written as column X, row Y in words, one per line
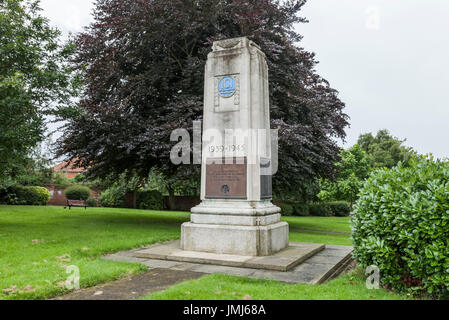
column 67, row 166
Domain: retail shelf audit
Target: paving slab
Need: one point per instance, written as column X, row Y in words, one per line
column 232, row 271
column 284, row 260
column 324, row 259
column 316, row 269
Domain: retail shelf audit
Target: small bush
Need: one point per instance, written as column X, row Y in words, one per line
column 150, row 200
column 301, row 209
column 33, row 196
column 320, row 210
column 77, row 193
column 401, row 224
column 340, row 208
column 286, row 209
column 92, row 202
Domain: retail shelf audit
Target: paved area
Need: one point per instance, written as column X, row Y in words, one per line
column 133, row 287
column 284, row 260
column 324, row 265
column 317, row 269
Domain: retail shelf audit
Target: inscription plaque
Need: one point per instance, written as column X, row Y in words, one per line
column 266, row 179
column 226, row 180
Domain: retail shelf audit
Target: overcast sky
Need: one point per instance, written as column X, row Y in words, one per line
column 389, row 59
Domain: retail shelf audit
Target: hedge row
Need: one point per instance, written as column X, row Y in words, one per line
column 25, row 195
column 324, row 209
column 150, row 200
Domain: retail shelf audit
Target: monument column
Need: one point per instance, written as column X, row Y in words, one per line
column 236, row 215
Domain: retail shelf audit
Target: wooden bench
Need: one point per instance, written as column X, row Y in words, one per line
column 76, row 203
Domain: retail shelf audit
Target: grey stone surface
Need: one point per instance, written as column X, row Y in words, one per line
column 236, row 220
column 233, row 239
column 281, row 261
column 126, row 258
column 287, row 277
column 324, row 259
column 313, row 270
column 233, row 271
column 165, row 264
column 185, row 266
column 338, row 251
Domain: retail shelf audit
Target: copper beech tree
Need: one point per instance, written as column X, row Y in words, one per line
column 143, row 62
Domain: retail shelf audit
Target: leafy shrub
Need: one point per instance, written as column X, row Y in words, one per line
column 77, row 193
column 41, row 177
column 340, row 208
column 61, row 182
column 92, row 202
column 41, row 195
column 286, row 209
column 5, row 191
column 320, row 210
column 401, row 225
column 150, row 199
column 80, row 178
column 114, row 197
column 301, row 209
column 29, row 180
column 26, row 195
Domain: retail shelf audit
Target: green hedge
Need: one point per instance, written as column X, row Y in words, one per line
column 150, row 200
column 301, row 209
column 92, row 202
column 340, row 208
column 77, row 193
column 26, row 195
column 320, row 209
column 401, row 225
column 286, row 209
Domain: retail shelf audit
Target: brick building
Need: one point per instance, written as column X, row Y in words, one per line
column 67, row 169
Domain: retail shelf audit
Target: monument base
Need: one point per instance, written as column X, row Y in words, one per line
column 238, row 240
column 282, row 261
column 235, row 227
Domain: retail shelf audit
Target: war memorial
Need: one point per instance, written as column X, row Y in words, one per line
column 236, row 224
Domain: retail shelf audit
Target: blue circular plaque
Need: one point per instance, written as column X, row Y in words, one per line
column 226, row 87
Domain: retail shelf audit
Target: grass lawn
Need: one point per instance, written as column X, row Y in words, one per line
column 38, row 243
column 222, row 287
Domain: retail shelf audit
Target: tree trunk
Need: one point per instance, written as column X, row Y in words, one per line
column 135, row 199
column 171, row 199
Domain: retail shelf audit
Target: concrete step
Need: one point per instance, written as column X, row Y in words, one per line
column 284, row 260
column 317, row 269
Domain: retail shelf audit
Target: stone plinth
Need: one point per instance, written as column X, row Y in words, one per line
column 232, row 239
column 231, row 227
column 285, row 260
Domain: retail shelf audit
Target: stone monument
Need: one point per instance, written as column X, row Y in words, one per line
column 236, row 215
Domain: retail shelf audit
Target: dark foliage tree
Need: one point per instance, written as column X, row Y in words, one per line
column 352, row 171
column 35, row 81
column 144, row 66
